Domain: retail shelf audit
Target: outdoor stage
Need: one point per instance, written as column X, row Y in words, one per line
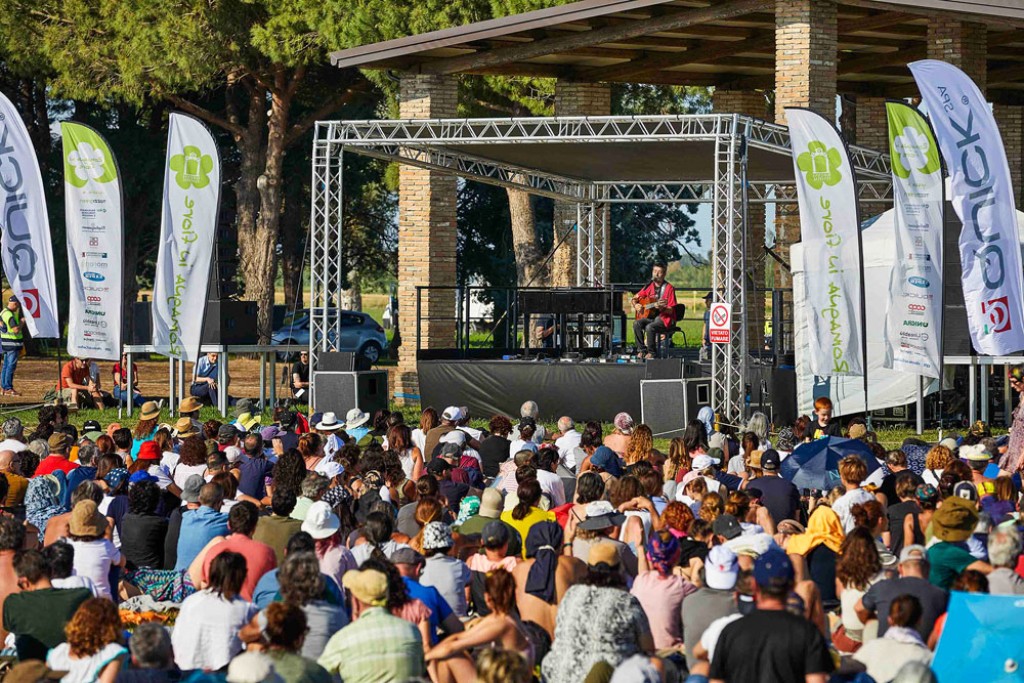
column 582, row 390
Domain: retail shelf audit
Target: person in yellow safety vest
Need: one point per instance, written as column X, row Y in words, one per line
column 11, row 340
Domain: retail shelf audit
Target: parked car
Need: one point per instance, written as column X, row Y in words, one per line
column 359, row 333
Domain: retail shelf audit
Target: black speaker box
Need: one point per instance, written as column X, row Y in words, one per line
column 342, row 361
column 340, row 392
column 227, row 322
column 666, row 405
column 672, row 368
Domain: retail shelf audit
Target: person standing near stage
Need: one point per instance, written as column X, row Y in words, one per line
column 300, row 377
column 664, row 294
column 11, row 340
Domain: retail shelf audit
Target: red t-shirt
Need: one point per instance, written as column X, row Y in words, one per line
column 52, row 463
column 668, row 316
column 259, row 559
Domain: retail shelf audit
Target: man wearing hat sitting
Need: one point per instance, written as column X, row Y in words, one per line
column 953, row 523
column 978, row 459
column 376, row 646
column 450, row 418
column 189, row 408
column 59, row 443
column 787, row 645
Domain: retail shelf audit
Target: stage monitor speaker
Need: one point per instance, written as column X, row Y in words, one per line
column 340, row 392
column 666, row 405
column 342, row 361
column 672, row 368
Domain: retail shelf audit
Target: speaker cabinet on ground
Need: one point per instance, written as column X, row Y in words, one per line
column 340, row 392
column 672, row 368
column 342, row 361
column 666, row 405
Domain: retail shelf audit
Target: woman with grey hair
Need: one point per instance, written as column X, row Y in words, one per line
column 302, row 585
column 758, row 424
column 1004, row 548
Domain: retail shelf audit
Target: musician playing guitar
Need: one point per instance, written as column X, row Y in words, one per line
column 655, row 307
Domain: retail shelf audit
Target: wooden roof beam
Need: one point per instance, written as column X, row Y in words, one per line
column 870, row 62
column 875, row 22
column 659, row 61
column 607, row 34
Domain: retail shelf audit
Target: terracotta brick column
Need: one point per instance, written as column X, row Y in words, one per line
column 426, row 236
column 1010, row 119
column 872, row 124
column 574, row 99
column 962, row 44
column 749, row 103
column 805, row 76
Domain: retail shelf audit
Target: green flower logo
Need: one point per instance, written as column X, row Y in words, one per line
column 912, row 150
column 820, row 164
column 191, row 168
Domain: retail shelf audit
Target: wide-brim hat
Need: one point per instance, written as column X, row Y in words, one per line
column 86, row 520
column 321, row 522
column 150, row 411
column 955, row 520
column 329, row 423
column 601, row 515
column 184, row 428
column 355, row 418
column 190, row 404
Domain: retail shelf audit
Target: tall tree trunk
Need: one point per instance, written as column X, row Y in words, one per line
column 256, row 251
column 524, row 240
column 292, row 258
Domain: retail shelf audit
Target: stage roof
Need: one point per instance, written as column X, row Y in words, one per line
column 565, row 155
column 722, row 43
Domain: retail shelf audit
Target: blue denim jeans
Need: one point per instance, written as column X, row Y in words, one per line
column 7, row 372
column 122, row 397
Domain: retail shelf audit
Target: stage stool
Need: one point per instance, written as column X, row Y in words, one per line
column 662, row 341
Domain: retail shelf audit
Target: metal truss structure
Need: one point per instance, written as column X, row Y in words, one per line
column 462, row 147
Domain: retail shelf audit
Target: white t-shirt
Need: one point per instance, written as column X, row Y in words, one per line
column 517, row 445
column 551, row 484
column 93, row 560
column 205, row 635
column 74, row 581
column 181, row 473
column 83, row 669
column 736, row 465
column 566, row 445
column 845, row 503
column 169, row 459
column 419, row 439
column 12, row 445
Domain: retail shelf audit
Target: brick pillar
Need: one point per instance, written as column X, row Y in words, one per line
column 961, row 43
column 749, row 103
column 426, row 236
column 574, row 99
column 1010, row 119
column 872, row 124
column 805, row 76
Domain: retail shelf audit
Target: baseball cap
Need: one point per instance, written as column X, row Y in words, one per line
column 141, row 475
column 913, row 553
column 58, row 441
column 406, row 555
column 88, row 426
column 702, row 462
column 451, row 414
column 491, row 503
column 438, row 466
column 721, row 568
column 966, row 490
column 227, row 431
column 455, row 436
column 13, row 426
column 717, row 440
column 190, row 492
column 771, row 565
column 495, row 534
column 950, row 443
column 770, row 459
column 975, row 453
column 450, row 450
column 727, row 525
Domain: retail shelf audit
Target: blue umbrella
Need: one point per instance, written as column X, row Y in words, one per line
column 815, row 465
column 982, row 639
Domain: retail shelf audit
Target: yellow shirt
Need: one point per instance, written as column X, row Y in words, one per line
column 523, row 525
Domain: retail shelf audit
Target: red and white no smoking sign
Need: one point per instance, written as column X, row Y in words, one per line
column 720, row 330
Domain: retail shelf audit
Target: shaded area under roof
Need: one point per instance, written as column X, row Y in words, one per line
column 722, row 43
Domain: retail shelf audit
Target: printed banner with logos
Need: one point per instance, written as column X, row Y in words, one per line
column 187, row 229
column 826, row 193
column 913, row 321
column 982, row 196
column 27, row 252
column 92, row 210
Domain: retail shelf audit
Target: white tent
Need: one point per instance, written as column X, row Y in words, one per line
column 886, row 388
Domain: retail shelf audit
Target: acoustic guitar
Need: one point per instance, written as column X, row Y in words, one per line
column 646, row 307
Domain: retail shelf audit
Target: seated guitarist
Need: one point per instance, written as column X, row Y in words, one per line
column 655, row 317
